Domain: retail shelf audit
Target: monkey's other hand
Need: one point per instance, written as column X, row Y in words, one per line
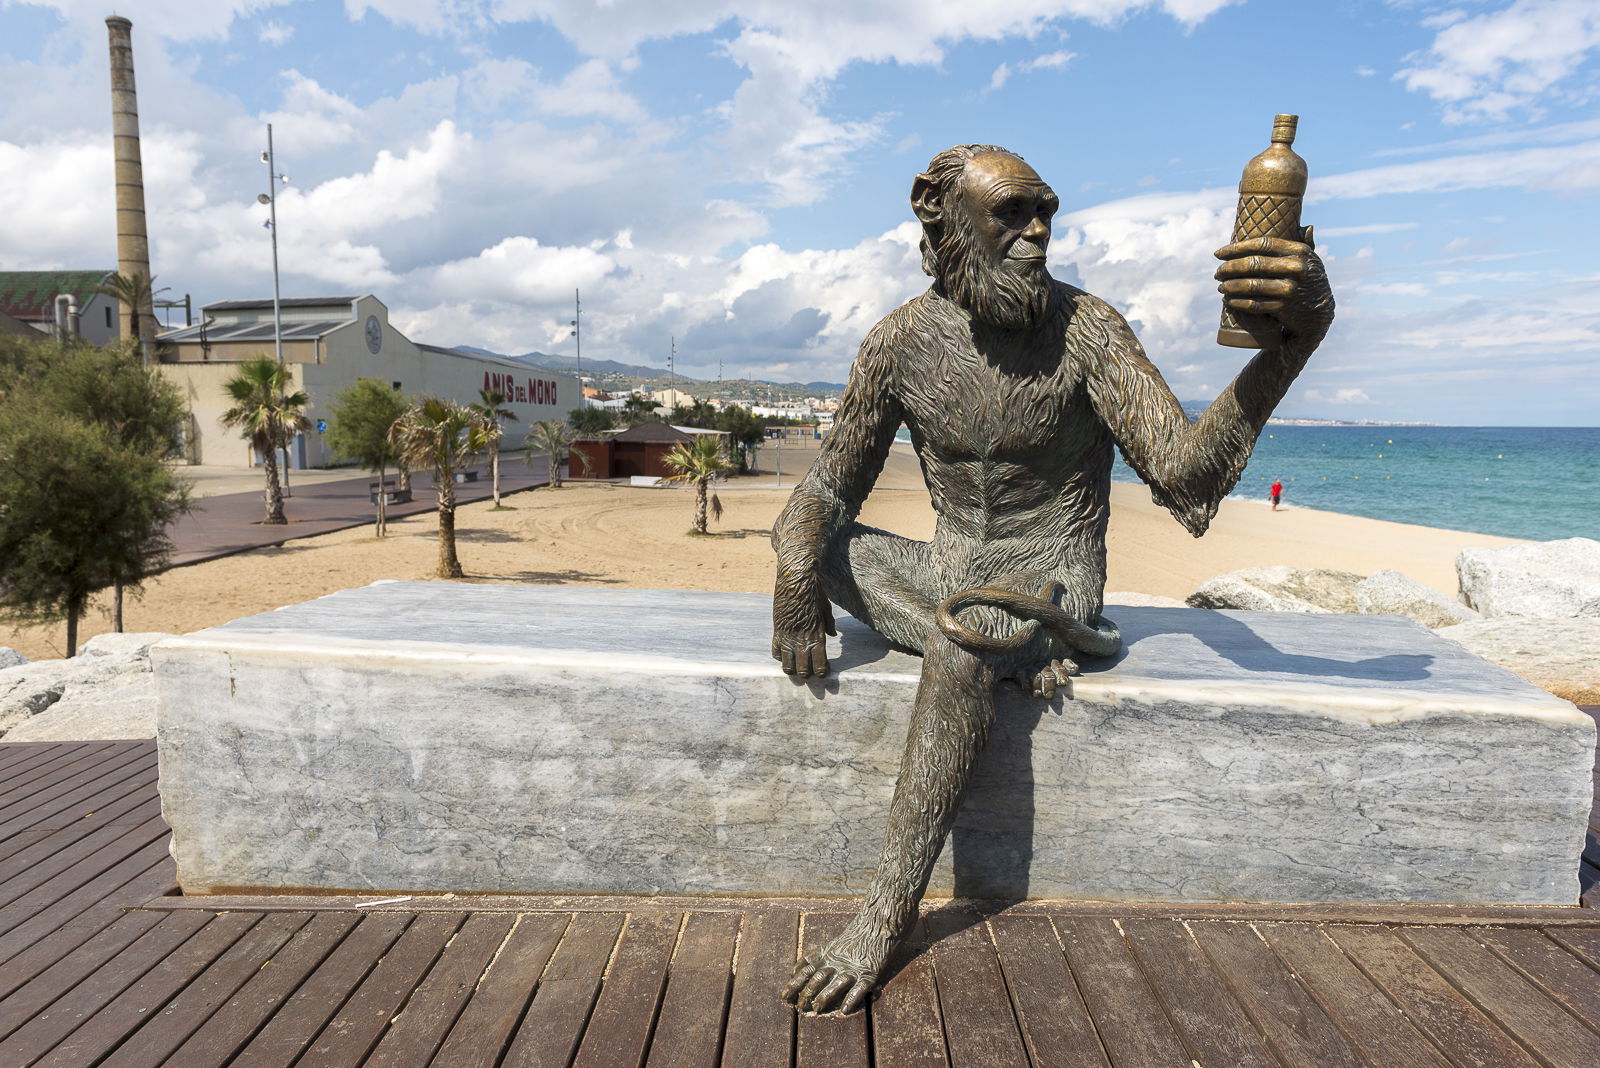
column 839, row 975
column 1279, row 279
column 1054, row 674
column 801, row 616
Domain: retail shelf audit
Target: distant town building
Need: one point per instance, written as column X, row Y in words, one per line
column 328, row 343
column 30, row 297
column 670, row 398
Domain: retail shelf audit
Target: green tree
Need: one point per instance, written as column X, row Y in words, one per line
column 137, row 293
column 637, row 409
column 434, row 434
column 488, row 415
column 696, row 463
column 267, row 415
column 86, row 490
column 746, row 432
column 590, row 421
column 359, row 426
column 553, row 439
column 699, row 414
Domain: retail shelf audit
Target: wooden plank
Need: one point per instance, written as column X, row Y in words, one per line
column 1438, row 1010
column 760, row 1030
column 48, row 882
column 24, row 766
column 14, row 754
column 55, row 1022
column 1559, row 974
column 29, row 990
column 106, row 1024
column 66, row 909
column 159, row 880
column 1297, row 1027
column 485, row 1026
column 81, row 800
column 689, row 1027
column 1386, row 1038
column 63, row 802
column 241, row 1016
column 980, row 1025
column 1126, row 1013
column 166, row 1030
column 302, row 1016
column 619, row 1029
column 60, row 849
column 1518, row 1006
column 1198, row 1002
column 65, row 765
column 356, row 1028
column 432, row 1009
column 831, row 1041
column 49, row 782
column 1585, row 943
column 554, row 1023
column 906, row 1028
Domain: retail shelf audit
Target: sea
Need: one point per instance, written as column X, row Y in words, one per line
column 1540, row 483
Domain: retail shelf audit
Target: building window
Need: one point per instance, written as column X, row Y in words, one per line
column 109, row 323
column 395, row 385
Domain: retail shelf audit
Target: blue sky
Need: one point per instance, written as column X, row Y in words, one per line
column 734, row 173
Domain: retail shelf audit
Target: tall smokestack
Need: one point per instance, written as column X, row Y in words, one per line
column 133, row 238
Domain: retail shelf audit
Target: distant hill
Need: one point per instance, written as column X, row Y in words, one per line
column 610, row 371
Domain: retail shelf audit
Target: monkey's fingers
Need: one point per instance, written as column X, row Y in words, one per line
column 1256, row 307
column 802, row 975
column 830, row 994
column 808, row 994
column 857, row 996
column 1281, row 288
column 1261, row 267
column 1268, row 246
column 816, row 657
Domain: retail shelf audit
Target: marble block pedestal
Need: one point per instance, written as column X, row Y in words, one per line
column 442, row 736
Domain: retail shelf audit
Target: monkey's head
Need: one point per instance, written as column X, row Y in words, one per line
column 985, row 226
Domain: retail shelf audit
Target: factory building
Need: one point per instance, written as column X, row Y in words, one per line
column 328, row 343
column 41, row 298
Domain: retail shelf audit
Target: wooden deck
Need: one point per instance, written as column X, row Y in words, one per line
column 101, row 964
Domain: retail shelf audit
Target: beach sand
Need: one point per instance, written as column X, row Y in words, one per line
column 609, row 535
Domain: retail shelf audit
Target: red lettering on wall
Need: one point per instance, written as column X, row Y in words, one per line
column 486, row 380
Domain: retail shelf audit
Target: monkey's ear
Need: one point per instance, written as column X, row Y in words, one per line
column 926, row 199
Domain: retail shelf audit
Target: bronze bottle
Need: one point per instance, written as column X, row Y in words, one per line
column 1270, row 193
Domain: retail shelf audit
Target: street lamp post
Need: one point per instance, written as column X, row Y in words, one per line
column 270, row 199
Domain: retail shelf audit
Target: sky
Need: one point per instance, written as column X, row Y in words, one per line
column 732, row 176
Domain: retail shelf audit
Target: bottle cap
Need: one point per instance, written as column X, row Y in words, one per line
column 1283, row 127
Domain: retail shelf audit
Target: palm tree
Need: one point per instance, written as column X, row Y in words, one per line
column 435, row 433
column 267, row 414
column 488, row 415
column 137, row 293
column 554, row 438
column 698, row 462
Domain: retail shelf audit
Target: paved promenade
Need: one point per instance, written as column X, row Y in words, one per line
column 229, row 523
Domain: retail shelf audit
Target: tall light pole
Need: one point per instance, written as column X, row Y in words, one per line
column 270, row 199
column 577, row 332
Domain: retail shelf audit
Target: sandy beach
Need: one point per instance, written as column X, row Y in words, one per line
column 603, row 534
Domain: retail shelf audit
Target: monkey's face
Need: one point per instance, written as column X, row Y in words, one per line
column 996, row 231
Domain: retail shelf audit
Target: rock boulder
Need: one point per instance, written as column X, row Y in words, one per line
column 10, row 658
column 1391, row 593
column 1551, row 579
column 105, row 691
column 1280, row 589
column 1558, row 655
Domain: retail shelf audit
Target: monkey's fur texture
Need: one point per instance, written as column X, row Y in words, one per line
column 1015, row 388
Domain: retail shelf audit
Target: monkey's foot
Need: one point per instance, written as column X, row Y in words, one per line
column 1054, row 674
column 842, row 973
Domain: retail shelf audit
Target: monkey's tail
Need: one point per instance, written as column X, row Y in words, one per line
column 1074, row 633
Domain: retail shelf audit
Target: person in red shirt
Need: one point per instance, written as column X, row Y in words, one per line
column 1277, row 493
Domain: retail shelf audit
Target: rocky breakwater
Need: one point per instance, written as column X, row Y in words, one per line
column 104, row 692
column 1533, row 609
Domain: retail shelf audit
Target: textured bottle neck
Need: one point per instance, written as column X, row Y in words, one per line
column 1283, row 127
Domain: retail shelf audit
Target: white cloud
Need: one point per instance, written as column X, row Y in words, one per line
column 1338, row 396
column 273, row 32
column 1486, row 66
column 1365, row 228
column 1365, row 71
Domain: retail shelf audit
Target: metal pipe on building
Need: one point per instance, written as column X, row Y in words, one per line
column 67, row 319
column 133, row 236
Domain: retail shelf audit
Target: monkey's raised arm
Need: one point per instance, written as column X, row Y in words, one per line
column 827, row 501
column 1190, row 467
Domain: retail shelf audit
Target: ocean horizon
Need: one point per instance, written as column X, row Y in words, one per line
column 1540, row 483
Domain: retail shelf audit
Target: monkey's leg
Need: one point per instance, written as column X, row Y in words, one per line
column 949, row 725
